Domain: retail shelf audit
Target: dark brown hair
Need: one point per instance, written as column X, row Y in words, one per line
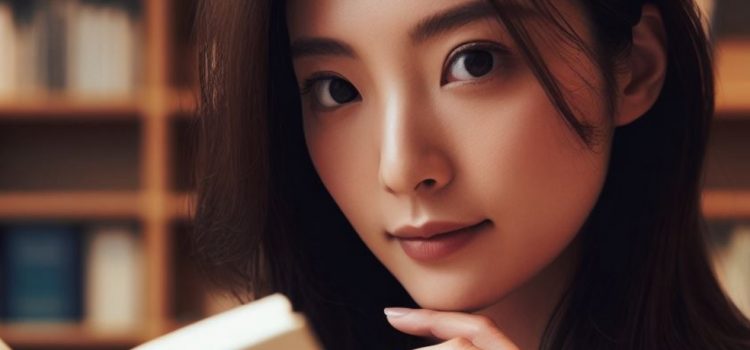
column 264, row 222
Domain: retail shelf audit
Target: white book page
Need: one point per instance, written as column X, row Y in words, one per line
column 265, row 324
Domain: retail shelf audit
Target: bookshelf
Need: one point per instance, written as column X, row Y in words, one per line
column 157, row 196
column 733, row 78
column 727, row 185
column 164, row 95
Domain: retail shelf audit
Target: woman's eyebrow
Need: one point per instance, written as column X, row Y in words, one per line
column 304, row 47
column 428, row 28
column 461, row 15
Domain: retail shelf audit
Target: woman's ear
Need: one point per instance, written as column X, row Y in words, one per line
column 642, row 71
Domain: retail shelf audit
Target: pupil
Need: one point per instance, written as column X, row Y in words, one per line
column 341, row 91
column 478, row 63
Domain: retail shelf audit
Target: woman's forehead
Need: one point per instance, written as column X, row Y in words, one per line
column 322, row 17
column 369, row 29
column 417, row 19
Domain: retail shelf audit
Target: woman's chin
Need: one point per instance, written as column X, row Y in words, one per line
column 444, row 300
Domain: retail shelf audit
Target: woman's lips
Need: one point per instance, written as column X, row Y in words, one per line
column 441, row 245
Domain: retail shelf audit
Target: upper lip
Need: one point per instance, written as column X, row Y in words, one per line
column 431, row 228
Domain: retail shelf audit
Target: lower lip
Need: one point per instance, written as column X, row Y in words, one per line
column 440, row 246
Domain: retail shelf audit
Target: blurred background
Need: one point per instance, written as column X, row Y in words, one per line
column 96, row 100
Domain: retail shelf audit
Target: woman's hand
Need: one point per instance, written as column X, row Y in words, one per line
column 459, row 331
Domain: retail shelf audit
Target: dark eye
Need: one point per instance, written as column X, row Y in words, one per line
column 471, row 64
column 333, row 91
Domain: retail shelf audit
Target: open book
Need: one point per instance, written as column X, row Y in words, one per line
column 264, row 324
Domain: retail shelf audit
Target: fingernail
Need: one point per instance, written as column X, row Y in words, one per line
column 396, row 311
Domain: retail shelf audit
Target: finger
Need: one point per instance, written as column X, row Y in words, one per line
column 453, row 344
column 478, row 329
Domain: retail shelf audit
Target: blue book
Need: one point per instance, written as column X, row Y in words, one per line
column 42, row 269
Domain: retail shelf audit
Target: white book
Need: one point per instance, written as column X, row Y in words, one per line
column 106, row 43
column 121, row 48
column 98, row 33
column 265, row 324
column 8, row 55
column 77, row 37
column 89, row 62
column 39, row 46
column 736, row 268
column 72, row 25
column 30, row 41
column 114, row 279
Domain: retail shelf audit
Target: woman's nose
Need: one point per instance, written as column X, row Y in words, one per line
column 413, row 151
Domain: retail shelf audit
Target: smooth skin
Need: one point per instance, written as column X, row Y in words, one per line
column 406, row 126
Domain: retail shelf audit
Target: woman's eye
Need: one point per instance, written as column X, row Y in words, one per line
column 471, row 64
column 332, row 92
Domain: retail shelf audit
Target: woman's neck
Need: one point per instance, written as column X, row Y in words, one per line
column 523, row 314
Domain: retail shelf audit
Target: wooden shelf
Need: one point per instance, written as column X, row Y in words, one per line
column 57, row 106
column 181, row 102
column 153, row 203
column 733, row 79
column 86, row 205
column 180, row 205
column 726, row 204
column 66, row 335
column 94, row 204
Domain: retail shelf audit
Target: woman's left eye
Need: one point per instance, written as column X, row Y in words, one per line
column 472, row 63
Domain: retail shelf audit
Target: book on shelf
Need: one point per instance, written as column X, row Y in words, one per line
column 735, row 266
column 73, row 47
column 41, row 277
column 61, row 272
column 114, row 283
column 8, row 63
column 102, row 56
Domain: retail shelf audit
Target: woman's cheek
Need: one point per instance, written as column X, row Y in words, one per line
column 344, row 154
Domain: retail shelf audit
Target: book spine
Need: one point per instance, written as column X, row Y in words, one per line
column 8, row 66
column 737, row 267
column 70, row 12
column 103, row 46
column 42, row 273
column 23, row 15
column 56, row 45
column 40, row 45
column 114, row 278
column 80, row 48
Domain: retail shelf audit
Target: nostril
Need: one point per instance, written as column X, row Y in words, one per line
column 427, row 183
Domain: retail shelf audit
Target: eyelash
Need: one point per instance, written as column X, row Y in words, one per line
column 493, row 47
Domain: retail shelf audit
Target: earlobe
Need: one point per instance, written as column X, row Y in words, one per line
column 640, row 82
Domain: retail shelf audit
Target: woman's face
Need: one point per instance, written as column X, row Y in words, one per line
column 424, row 111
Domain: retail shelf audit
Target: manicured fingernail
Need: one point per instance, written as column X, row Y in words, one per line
column 396, row 311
